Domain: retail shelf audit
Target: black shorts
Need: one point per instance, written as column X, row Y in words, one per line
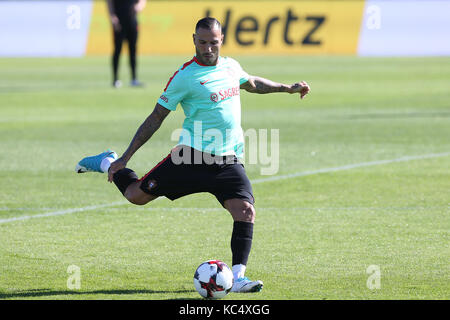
column 222, row 176
column 128, row 30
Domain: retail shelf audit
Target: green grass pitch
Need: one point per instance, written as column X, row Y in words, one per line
column 315, row 235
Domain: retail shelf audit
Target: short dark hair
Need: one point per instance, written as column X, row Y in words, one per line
column 208, row 23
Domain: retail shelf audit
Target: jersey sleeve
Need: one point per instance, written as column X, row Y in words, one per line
column 243, row 76
column 176, row 89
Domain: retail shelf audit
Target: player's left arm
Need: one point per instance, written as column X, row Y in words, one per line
column 262, row 86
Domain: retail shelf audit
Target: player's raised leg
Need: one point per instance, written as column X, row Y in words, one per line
column 125, row 179
column 98, row 163
column 243, row 214
column 128, row 183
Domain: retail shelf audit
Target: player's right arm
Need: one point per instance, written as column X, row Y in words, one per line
column 145, row 132
column 174, row 92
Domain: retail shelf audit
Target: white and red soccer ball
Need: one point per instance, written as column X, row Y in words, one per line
column 213, row 279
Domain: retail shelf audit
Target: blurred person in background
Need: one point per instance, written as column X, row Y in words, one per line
column 123, row 16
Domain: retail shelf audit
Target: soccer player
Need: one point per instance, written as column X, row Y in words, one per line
column 206, row 156
column 123, row 16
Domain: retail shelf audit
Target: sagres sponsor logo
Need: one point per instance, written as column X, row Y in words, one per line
column 228, row 93
column 224, row 94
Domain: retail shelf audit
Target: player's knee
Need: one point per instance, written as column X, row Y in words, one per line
column 249, row 212
column 134, row 199
column 138, row 202
column 134, row 195
column 243, row 211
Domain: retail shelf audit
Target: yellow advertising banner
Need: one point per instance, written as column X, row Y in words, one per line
column 250, row 27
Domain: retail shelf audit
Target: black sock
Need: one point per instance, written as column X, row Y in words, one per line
column 123, row 178
column 241, row 241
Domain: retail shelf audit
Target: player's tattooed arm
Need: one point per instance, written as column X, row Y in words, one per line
column 145, row 131
column 262, row 86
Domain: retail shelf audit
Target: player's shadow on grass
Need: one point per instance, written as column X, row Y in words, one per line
column 48, row 292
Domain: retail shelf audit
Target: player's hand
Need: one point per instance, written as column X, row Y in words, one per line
column 251, row 81
column 138, row 7
column 300, row 87
column 117, row 165
column 116, row 23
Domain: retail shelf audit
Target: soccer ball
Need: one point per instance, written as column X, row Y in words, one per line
column 213, row 279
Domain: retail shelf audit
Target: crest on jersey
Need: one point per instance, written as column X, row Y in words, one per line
column 214, row 97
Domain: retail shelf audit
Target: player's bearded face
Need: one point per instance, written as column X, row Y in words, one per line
column 207, row 45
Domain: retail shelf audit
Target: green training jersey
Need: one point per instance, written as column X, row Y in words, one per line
column 210, row 98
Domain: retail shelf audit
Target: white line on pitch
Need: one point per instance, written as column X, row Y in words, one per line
column 350, row 166
column 271, row 209
column 256, row 181
column 62, row 212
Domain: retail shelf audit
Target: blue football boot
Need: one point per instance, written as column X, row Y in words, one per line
column 92, row 164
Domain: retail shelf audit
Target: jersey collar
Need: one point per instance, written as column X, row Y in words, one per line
column 204, row 65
